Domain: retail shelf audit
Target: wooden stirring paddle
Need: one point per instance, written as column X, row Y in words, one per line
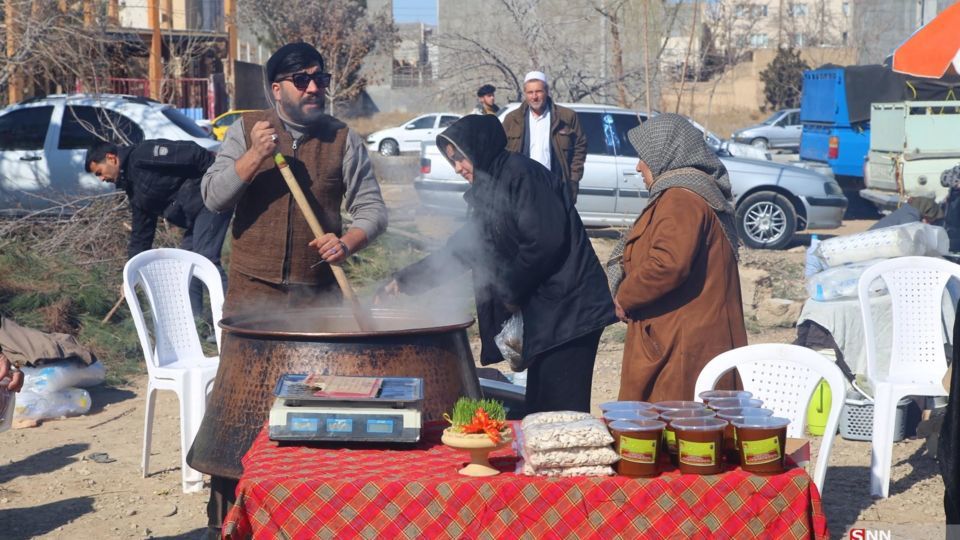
column 362, row 316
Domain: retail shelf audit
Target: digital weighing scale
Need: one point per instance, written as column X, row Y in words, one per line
column 392, row 415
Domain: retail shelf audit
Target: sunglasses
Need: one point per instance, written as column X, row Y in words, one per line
column 301, row 81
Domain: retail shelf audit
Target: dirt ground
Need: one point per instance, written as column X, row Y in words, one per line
column 50, row 489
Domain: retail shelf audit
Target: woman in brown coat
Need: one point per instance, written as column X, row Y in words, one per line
column 681, row 287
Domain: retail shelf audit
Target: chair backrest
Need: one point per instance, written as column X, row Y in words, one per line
column 916, row 286
column 783, row 376
column 164, row 275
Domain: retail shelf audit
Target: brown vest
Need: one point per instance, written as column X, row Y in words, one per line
column 270, row 233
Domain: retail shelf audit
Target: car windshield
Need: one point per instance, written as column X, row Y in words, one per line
column 183, row 122
column 773, row 118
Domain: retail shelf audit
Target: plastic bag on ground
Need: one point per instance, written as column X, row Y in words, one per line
column 897, row 241
column 841, row 282
column 56, row 376
column 510, row 342
column 32, row 405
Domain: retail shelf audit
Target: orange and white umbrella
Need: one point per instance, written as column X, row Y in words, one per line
column 934, row 49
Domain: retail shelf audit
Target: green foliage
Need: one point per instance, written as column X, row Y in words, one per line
column 378, row 261
column 783, row 80
column 465, row 408
column 33, row 290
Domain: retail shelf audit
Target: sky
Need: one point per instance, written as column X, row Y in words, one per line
column 415, row 11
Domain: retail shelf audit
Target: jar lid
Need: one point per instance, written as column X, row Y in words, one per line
column 698, row 424
column 637, row 425
column 635, row 414
column 677, row 405
column 687, row 413
column 735, row 403
column 752, row 412
column 624, row 405
column 762, row 422
column 708, row 395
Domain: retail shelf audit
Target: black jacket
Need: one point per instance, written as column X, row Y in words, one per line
column 162, row 179
column 526, row 246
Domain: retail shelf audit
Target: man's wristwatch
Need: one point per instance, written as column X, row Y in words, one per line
column 343, row 246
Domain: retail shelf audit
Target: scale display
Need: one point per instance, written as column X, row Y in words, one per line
column 388, row 412
column 292, row 386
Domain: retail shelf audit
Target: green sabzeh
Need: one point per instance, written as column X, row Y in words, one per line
column 698, row 454
column 638, row 450
column 762, row 451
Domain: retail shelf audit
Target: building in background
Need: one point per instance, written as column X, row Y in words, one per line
column 881, row 25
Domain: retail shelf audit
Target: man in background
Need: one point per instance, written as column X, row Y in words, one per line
column 547, row 133
column 486, row 100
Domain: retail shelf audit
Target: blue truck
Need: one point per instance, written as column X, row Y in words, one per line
column 835, row 112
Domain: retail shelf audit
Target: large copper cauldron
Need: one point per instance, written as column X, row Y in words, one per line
column 257, row 349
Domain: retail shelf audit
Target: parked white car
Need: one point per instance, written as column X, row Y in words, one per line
column 407, row 137
column 43, row 142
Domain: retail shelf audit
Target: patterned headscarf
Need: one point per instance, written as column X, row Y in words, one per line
column 679, row 157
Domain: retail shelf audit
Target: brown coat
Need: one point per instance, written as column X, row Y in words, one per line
column 568, row 145
column 681, row 291
column 270, row 233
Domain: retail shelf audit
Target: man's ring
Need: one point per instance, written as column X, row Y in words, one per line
column 273, row 137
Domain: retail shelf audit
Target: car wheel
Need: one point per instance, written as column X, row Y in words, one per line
column 766, row 220
column 389, row 147
column 760, row 143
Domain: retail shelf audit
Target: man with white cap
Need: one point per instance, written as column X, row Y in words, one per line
column 547, row 132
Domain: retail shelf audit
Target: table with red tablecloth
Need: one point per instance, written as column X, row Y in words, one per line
column 374, row 491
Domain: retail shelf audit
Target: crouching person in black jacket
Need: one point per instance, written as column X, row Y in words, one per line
column 162, row 179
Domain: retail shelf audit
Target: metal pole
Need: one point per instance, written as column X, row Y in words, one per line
column 156, row 69
column 646, row 55
column 230, row 14
column 168, row 11
column 113, row 12
column 14, row 84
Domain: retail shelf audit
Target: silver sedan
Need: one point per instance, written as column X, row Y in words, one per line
column 773, row 200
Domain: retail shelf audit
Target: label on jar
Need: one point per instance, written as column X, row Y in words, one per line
column 670, row 438
column 700, row 454
column 638, row 450
column 762, row 451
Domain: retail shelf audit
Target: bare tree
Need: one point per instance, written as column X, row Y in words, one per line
column 613, row 12
column 729, row 26
column 342, row 30
column 52, row 45
column 591, row 52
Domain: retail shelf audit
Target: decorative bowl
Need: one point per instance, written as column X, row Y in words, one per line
column 479, row 446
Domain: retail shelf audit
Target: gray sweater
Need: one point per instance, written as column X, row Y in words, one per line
column 222, row 187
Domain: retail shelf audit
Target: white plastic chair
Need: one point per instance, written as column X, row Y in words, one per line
column 175, row 359
column 784, row 377
column 917, row 359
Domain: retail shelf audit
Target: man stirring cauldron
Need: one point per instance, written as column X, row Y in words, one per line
column 276, row 262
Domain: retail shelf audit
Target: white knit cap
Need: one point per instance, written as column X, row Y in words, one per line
column 535, row 76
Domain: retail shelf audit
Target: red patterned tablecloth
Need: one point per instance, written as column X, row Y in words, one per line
column 315, row 492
